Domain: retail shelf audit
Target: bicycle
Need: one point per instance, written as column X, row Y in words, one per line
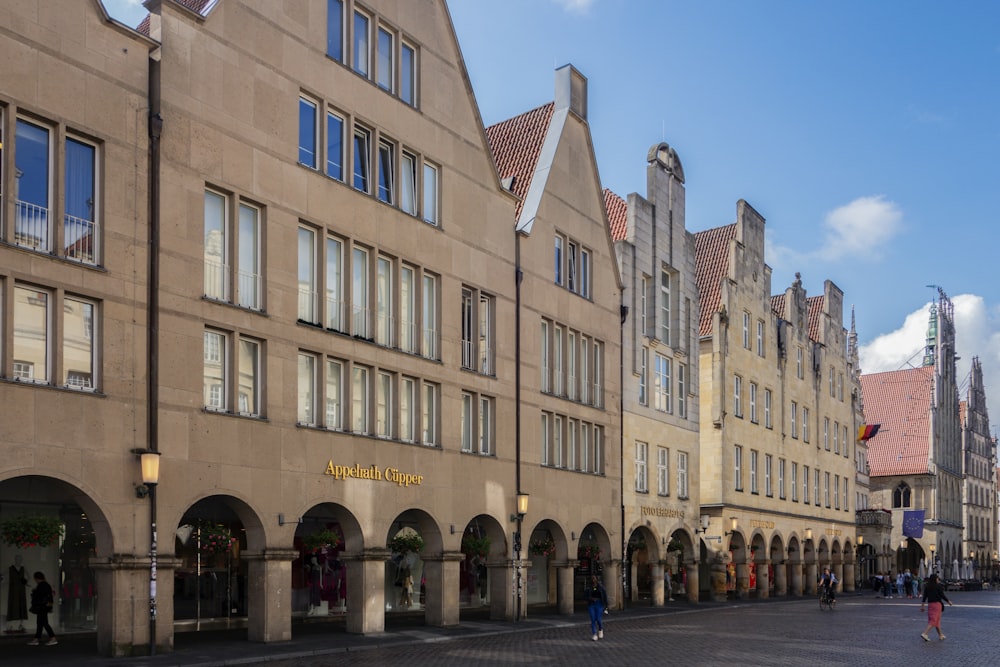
column 825, row 601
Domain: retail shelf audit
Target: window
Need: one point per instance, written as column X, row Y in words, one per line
column 335, row 29
column 386, row 170
column 794, row 413
column 485, row 424
column 738, row 467
column 901, row 496
column 760, row 338
column 558, row 357
column 836, row 440
column 306, row 275
column 585, row 347
column 249, row 377
column 216, row 373
column 468, row 421
column 557, row 441
column 805, row 484
column 598, row 399
column 753, row 402
column 584, row 273
column 681, row 390
column 585, row 454
column 407, row 409
column 768, row 490
column 477, row 331
column 682, row 475
column 573, row 459
column 798, row 363
column 79, row 219
column 661, row 384
column 846, row 508
column 546, row 385
column 598, row 443
column 306, row 412
column 408, row 183
column 334, row 395
column 753, row 472
column 383, row 404
column 826, row 433
column 840, row 387
column 643, row 370
column 79, row 352
column 218, row 266
column 430, row 194
column 826, row 489
column 407, row 309
column 360, row 313
column 408, row 74
column 746, row 330
column 560, row 242
column 429, row 414
column 384, row 321
column 335, row 317
column 215, row 361
column 781, row 478
column 573, row 251
column 795, row 482
column 662, row 471
column 641, row 452
column 429, row 346
column 386, row 48
column 738, row 396
column 362, row 158
column 361, row 43
column 665, row 306
column 816, row 486
column 767, row 408
column 359, row 400
column 546, row 441
column 33, row 186
column 643, row 305
column 845, row 441
column 334, row 146
column 836, row 491
column 805, row 424
column 833, row 393
column 308, row 132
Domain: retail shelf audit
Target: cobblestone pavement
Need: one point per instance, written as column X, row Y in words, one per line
column 863, row 630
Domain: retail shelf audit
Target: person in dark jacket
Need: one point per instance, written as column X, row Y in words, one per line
column 598, row 600
column 42, row 600
column 934, row 598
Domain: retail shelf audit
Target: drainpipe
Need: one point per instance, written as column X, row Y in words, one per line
column 626, row 565
column 518, row 278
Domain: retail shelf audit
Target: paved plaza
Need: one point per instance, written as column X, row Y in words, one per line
column 863, row 630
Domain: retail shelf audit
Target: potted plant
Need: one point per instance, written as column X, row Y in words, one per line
column 31, row 530
column 406, row 542
column 473, row 545
column 327, row 537
column 216, row 538
column 591, row 551
column 542, row 546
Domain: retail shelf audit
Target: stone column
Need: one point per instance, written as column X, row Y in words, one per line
column 123, row 607
column 742, row 580
column 501, row 586
column 763, row 581
column 657, row 585
column 692, row 582
column 847, row 569
column 564, row 586
column 633, row 578
column 811, row 578
column 366, row 590
column 795, row 569
column 611, row 578
column 718, row 574
column 780, row 580
column 442, row 572
column 269, row 594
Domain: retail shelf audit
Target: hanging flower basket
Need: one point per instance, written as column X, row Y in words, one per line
column 327, row 537
column 476, row 546
column 31, row 530
column 675, row 545
column 405, row 543
column 591, row 551
column 216, row 539
column 544, row 546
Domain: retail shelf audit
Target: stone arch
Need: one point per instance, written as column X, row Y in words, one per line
column 777, row 562
column 483, row 545
column 738, row 572
column 413, row 569
column 643, row 565
column 594, row 555
column 322, row 536
column 548, row 551
column 758, row 572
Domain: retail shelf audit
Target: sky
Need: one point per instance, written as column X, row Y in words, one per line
column 864, row 131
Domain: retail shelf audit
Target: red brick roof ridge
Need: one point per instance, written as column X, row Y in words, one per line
column 711, row 266
column 617, row 210
column 516, row 144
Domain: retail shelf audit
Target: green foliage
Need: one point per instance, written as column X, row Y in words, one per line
column 543, row 546
column 216, row 538
column 476, row 546
column 406, row 541
column 31, row 530
column 327, row 537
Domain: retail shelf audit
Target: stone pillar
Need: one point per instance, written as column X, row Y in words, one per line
column 780, row 580
column 442, row 573
column 847, row 569
column 811, row 578
column 657, row 585
column 795, row 568
column 501, row 585
column 611, row 578
column 269, row 594
column 633, row 594
column 564, row 586
column 742, row 580
column 692, row 582
column 366, row 590
column 718, row 574
column 763, row 581
column 123, row 607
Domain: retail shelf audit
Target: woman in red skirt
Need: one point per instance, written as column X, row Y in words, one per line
column 934, row 598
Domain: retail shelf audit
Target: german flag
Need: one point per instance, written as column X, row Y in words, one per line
column 866, row 431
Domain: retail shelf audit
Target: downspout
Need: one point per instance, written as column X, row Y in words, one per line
column 518, row 278
column 626, row 565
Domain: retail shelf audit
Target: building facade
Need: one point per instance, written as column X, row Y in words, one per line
column 777, row 422
column 660, row 462
column 979, row 486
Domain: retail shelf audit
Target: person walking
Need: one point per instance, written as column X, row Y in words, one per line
column 598, row 601
column 887, row 586
column 934, row 598
column 42, row 601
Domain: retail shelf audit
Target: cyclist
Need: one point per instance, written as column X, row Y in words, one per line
column 829, row 583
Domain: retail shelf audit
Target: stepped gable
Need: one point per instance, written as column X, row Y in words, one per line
column 899, row 401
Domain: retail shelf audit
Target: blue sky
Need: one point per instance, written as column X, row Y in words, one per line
column 864, row 131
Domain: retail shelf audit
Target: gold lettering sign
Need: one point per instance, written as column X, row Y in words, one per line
column 836, row 532
column 373, row 473
column 758, row 523
column 661, row 511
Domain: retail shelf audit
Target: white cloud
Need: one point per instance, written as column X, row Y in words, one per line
column 576, row 6
column 977, row 333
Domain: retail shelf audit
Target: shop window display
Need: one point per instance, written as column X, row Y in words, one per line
column 210, row 583
column 319, row 577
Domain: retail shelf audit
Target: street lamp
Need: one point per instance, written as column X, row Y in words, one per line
column 733, row 522
column 149, row 462
column 522, row 509
column 933, row 561
column 809, row 534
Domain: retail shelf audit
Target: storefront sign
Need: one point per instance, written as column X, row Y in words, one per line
column 661, row 511
column 374, row 473
column 759, row 523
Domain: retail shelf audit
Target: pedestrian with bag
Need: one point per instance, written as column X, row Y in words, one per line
column 42, row 601
column 934, row 598
column 598, row 600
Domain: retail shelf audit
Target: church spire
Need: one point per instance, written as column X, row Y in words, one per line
column 932, row 334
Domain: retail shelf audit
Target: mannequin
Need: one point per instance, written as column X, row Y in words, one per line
column 17, row 598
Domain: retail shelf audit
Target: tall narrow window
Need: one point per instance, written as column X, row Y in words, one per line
column 738, row 396
column 467, row 421
column 249, row 377
column 359, row 294
column 767, row 408
column 753, row 402
column 335, row 29
column 386, row 48
column 558, row 260
column 572, row 444
column 738, row 467
column 794, row 480
column 386, row 169
column 429, row 317
column 408, row 74
column 408, row 183
column 681, row 390
column 334, row 284
column 216, row 280
column 306, row 412
column 31, row 334
column 760, row 338
column 383, row 301
column 80, row 218
column 585, row 273
column 641, row 452
column 826, row 489
column 335, row 146
column 665, row 297
column 794, row 412
column 429, row 414
column 572, row 251
column 643, row 370
column 215, row 358
column 781, row 478
column 361, row 42
column 585, row 391
column 585, row 454
column 571, row 364
column 753, row 472
column 598, row 400
column 816, row 486
column 79, row 361
column 32, row 186
column 407, row 405
column 643, row 306
column 662, row 471
column 334, row 395
column 557, row 442
column 805, row 484
column 249, row 285
column 362, row 159
column 486, row 346
column 383, row 405
column 307, row 275
column 598, row 436
column 805, row 424
column 558, row 359
column 359, row 399
column 798, row 363
column 682, row 475
column 661, row 383
column 407, row 309
column 546, row 370
column 768, row 490
column 826, row 433
column 468, row 318
column 486, row 425
column 746, row 330
column 546, row 441
column 430, row 194
column 308, row 132
column 836, row 440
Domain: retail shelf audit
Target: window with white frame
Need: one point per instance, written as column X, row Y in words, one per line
column 571, row 265
column 836, row 491
column 833, row 393
column 572, row 361
column 826, row 433
column 477, row 424
column 249, row 377
column 661, row 383
column 385, row 49
column 79, row 358
column 682, row 475
column 641, row 453
column 585, row 453
column 738, row 396
column 681, row 390
column 335, row 301
column 768, row 489
column 335, row 29
column 572, row 445
column 572, row 257
column 662, row 471
column 840, row 387
column 846, row 507
column 585, row 389
column 557, row 370
column 753, row 402
column 34, row 328
column 360, row 310
column 468, row 422
column 805, row 424
column 362, row 43
column 384, row 408
column 643, row 306
column 560, row 242
column 584, row 282
column 781, row 478
column 248, row 369
column 334, row 399
column 477, row 331
column 826, row 489
column 80, row 229
column 598, row 449
column 360, row 378
column 836, row 441
column 216, row 348
column 429, row 413
column 385, row 324
column 362, row 158
column 386, row 172
column 546, row 440
column 408, row 73
column 845, row 441
column 408, row 183
column 805, row 484
column 643, row 371
column 558, row 460
column 816, row 486
column 767, row 408
column 746, row 330
column 798, row 363
column 665, row 312
column 794, row 482
column 760, row 338
column 429, row 320
column 408, row 308
column 408, row 402
column 308, row 310
column 738, row 467
column 794, row 415
column 335, row 127
column 598, row 396
column 430, row 201
column 308, row 132
column 753, row 472
column 546, row 379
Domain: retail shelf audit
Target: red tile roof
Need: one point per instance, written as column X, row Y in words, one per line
column 617, row 215
column 901, row 402
column 194, row 5
column 712, row 265
column 516, row 144
column 815, row 306
column 778, row 305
